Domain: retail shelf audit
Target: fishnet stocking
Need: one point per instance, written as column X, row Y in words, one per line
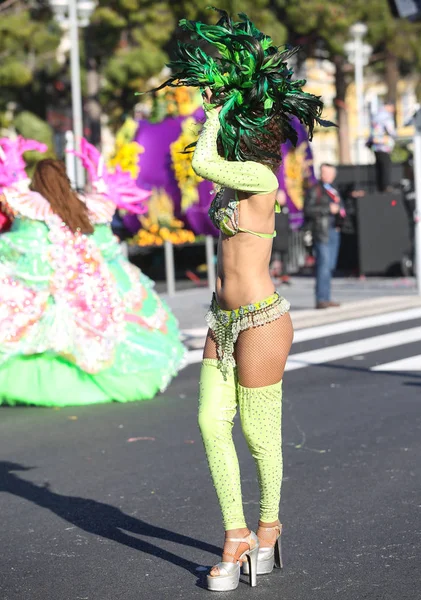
column 261, row 352
column 268, row 535
column 210, row 346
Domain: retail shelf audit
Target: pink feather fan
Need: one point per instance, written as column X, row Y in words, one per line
column 117, row 186
column 12, row 164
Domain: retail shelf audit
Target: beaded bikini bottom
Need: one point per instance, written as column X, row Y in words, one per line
column 227, row 324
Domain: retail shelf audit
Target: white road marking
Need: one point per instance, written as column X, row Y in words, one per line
column 196, row 332
column 194, row 356
column 412, row 363
column 371, row 344
column 301, row 360
column 320, row 331
column 337, row 352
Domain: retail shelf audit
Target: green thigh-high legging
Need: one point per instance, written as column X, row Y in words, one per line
column 261, row 413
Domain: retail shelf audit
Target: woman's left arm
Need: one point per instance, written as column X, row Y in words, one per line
column 247, row 176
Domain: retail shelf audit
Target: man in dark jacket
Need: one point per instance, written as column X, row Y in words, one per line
column 324, row 211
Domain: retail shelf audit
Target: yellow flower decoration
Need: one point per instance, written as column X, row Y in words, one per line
column 181, row 163
column 187, row 100
column 127, row 158
column 126, row 132
column 296, row 171
column 160, row 225
column 173, row 102
column 160, row 208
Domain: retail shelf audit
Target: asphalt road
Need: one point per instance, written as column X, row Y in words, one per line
column 114, row 502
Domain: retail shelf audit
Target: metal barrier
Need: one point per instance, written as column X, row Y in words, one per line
column 170, row 268
column 296, row 251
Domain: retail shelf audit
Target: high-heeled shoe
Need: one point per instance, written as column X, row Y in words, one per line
column 229, row 572
column 268, row 557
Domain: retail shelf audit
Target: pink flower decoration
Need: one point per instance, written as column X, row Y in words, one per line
column 12, row 164
column 117, row 186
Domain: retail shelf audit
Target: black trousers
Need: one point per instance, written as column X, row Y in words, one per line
column 383, row 170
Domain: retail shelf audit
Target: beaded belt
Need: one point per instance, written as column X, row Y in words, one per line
column 227, row 324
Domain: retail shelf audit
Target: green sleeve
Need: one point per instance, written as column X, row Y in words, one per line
column 247, row 176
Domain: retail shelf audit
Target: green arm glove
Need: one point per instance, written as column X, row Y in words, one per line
column 247, row 176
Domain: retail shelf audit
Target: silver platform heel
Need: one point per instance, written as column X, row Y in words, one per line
column 229, row 572
column 268, row 558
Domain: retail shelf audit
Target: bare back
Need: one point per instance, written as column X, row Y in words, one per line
column 243, row 260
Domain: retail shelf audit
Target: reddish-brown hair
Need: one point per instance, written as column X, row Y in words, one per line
column 50, row 180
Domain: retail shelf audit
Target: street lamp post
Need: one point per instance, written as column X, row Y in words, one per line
column 417, row 216
column 76, row 87
column 72, row 14
column 358, row 55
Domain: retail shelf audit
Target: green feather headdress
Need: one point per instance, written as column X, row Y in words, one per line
column 249, row 77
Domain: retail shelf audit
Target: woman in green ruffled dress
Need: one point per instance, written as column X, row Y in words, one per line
column 78, row 324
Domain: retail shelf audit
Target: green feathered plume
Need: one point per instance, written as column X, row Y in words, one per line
column 249, row 77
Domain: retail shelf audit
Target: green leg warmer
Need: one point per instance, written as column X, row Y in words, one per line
column 217, row 408
column 261, row 419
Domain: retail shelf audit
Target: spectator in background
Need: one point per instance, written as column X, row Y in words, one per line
column 279, row 260
column 382, row 142
column 324, row 212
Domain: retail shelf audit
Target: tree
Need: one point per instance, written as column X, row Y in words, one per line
column 126, row 40
column 326, row 28
column 131, row 41
column 32, row 127
column 127, row 43
column 396, row 43
column 28, row 43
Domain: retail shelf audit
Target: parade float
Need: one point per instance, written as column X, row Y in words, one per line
column 152, row 149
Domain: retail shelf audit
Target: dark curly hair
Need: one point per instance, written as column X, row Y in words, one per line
column 268, row 144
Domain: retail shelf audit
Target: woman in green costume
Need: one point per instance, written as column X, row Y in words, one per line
column 78, row 323
column 250, row 97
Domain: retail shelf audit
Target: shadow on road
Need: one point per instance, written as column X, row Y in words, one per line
column 100, row 519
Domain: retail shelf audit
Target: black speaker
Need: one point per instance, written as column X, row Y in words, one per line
column 383, row 233
column 363, row 177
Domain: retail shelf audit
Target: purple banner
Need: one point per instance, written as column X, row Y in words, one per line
column 296, row 173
